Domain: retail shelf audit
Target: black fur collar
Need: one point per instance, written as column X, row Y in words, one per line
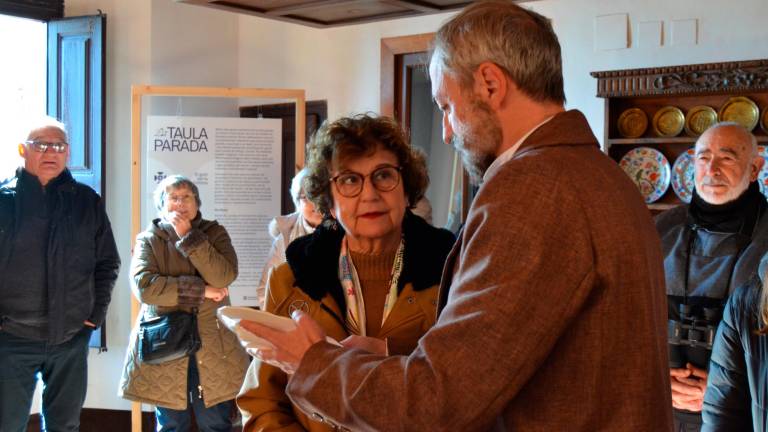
column 314, row 259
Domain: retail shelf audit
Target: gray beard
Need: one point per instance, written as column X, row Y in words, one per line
column 476, row 163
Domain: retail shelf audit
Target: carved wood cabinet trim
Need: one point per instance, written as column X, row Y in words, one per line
column 724, row 77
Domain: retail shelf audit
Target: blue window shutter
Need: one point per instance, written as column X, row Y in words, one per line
column 76, row 76
column 76, row 92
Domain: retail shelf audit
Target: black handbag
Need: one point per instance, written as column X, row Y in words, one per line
column 168, row 337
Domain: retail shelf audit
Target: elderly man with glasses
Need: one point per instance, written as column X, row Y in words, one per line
column 59, row 264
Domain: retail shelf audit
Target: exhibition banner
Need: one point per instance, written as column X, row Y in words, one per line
column 236, row 165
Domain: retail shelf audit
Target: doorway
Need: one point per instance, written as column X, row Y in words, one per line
column 316, row 113
column 406, row 95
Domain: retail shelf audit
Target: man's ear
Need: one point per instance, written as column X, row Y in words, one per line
column 22, row 150
column 755, row 167
column 491, row 84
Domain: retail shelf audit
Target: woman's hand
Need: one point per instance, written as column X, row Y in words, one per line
column 365, row 343
column 216, row 294
column 179, row 223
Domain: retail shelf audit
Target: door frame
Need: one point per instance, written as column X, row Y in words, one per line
column 392, row 47
column 394, row 85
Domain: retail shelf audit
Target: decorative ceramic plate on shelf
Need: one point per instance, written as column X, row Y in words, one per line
column 668, row 121
column 649, row 170
column 762, row 176
column 741, row 110
column 683, row 175
column 698, row 119
column 764, row 119
column 632, row 123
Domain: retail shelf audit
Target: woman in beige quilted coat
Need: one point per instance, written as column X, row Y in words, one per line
column 183, row 261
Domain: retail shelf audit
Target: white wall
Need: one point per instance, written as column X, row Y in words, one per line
column 342, row 64
column 157, row 42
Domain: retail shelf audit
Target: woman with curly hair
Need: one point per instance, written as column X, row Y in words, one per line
column 373, row 270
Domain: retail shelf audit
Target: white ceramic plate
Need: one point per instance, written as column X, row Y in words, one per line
column 682, row 175
column 762, row 176
column 649, row 170
column 230, row 316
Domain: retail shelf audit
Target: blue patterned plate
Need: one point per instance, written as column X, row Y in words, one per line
column 649, row 170
column 682, row 175
column 762, row 176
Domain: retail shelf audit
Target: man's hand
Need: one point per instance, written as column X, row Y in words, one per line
column 216, row 294
column 688, row 387
column 89, row 324
column 291, row 346
column 179, row 223
column 370, row 344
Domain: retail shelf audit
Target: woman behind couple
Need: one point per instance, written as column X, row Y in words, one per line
column 184, row 262
column 372, row 273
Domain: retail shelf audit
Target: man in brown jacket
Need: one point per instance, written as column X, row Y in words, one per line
column 552, row 313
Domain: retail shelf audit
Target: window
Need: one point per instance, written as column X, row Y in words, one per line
column 22, row 83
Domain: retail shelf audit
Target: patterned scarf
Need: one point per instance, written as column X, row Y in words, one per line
column 350, row 283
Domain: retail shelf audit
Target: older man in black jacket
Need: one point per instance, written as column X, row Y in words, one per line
column 59, row 264
column 711, row 247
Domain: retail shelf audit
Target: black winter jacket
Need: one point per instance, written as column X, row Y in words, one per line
column 82, row 259
column 737, row 387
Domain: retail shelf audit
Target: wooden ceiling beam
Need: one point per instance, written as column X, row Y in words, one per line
column 306, row 7
column 413, row 5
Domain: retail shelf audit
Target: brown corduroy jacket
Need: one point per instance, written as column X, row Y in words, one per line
column 553, row 312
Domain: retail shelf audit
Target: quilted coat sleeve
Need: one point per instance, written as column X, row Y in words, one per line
column 152, row 286
column 262, row 400
column 212, row 254
column 727, row 401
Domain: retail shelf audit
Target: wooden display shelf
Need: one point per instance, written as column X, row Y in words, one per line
column 684, row 87
column 662, row 206
column 671, row 140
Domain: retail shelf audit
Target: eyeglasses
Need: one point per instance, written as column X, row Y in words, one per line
column 181, row 199
column 42, row 146
column 384, row 179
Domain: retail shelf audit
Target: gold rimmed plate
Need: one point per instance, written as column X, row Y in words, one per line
column 699, row 118
column 632, row 123
column 741, row 110
column 668, row 121
column 764, row 119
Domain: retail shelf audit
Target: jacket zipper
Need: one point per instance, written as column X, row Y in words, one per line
column 221, row 340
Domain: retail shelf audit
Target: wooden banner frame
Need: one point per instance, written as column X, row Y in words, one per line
column 137, row 92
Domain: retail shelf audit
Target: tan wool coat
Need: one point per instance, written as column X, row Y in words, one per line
column 553, row 312
column 164, row 270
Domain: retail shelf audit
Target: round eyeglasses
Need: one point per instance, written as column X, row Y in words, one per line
column 42, row 146
column 384, row 179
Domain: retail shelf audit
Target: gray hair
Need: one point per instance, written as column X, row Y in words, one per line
column 296, row 186
column 174, row 182
column 43, row 122
column 519, row 41
column 752, row 138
